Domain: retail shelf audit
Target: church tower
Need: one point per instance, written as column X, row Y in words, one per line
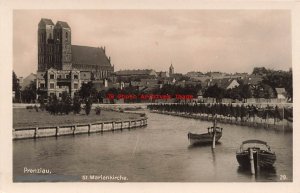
column 171, row 70
column 62, row 40
column 45, row 44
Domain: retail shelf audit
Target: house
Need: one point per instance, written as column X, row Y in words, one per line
column 127, row 75
column 24, row 82
column 225, row 83
column 281, row 93
column 162, row 74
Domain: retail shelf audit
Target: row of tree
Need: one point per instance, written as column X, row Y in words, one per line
column 228, row 110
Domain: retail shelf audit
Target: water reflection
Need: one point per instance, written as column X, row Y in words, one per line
column 263, row 174
column 195, row 146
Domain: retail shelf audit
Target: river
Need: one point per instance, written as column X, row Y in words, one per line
column 159, row 152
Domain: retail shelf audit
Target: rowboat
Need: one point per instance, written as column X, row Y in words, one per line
column 205, row 138
column 257, row 153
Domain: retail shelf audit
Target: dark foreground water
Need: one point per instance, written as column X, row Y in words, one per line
column 159, row 152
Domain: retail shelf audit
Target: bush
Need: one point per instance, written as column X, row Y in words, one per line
column 66, row 103
column 76, row 105
column 29, row 107
column 88, row 106
column 36, row 108
column 98, row 110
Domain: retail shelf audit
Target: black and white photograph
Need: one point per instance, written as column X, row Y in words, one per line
column 152, row 96
column 146, row 96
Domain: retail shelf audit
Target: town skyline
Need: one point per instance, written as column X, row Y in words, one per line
column 223, row 42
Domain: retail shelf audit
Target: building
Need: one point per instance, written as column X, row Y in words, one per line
column 171, row 70
column 25, row 82
column 225, row 83
column 63, row 66
column 135, row 75
column 281, row 93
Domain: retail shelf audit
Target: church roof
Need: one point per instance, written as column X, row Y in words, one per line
column 89, row 55
column 62, row 24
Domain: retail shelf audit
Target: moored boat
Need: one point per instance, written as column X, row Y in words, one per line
column 262, row 155
column 205, row 138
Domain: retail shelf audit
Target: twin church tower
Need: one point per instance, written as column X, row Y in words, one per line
column 54, row 45
column 63, row 67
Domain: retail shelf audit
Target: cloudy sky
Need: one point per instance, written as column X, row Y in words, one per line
column 193, row 40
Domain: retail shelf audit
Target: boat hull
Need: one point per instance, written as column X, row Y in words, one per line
column 265, row 159
column 205, row 138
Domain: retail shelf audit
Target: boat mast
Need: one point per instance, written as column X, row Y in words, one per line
column 214, row 132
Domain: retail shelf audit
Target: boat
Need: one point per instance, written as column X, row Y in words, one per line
column 261, row 152
column 206, row 138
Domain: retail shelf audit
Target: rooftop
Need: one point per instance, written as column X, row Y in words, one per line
column 89, row 55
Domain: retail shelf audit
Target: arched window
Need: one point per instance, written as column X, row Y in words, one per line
column 67, row 35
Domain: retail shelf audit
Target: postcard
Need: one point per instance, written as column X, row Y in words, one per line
column 122, row 98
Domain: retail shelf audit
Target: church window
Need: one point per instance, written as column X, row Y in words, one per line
column 67, row 35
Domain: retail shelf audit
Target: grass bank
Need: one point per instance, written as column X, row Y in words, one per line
column 30, row 118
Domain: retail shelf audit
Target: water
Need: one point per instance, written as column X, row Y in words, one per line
column 159, row 152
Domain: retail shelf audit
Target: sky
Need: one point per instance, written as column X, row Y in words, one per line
column 192, row 40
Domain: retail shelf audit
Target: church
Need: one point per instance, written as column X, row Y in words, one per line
column 63, row 66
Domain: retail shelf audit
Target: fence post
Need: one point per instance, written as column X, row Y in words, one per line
column 89, row 129
column 75, row 126
column 113, row 126
column 57, row 131
column 36, row 132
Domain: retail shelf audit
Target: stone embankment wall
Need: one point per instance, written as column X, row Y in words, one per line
column 37, row 132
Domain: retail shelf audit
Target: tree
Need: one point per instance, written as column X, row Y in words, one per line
column 280, row 79
column 52, row 106
column 16, row 87
column 87, row 91
column 29, row 93
column 214, row 92
column 76, row 104
column 66, row 101
column 260, row 71
column 245, row 91
column 88, row 106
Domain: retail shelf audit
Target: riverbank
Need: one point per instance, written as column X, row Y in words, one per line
column 27, row 123
column 30, row 118
column 253, row 122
